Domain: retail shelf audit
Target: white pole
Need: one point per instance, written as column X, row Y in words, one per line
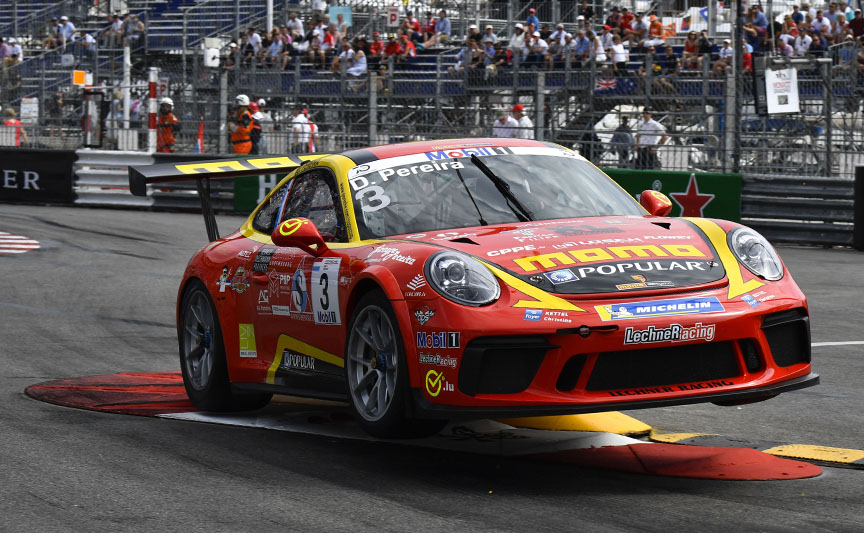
column 269, row 16
column 152, row 109
column 127, row 82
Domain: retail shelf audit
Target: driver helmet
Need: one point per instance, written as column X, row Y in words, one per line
column 242, row 100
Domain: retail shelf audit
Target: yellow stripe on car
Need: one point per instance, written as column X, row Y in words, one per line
column 737, row 285
column 296, row 345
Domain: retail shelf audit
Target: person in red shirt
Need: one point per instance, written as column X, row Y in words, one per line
column 413, row 22
column 429, row 26
column 408, row 49
column 392, row 48
column 13, row 122
column 626, row 20
column 376, row 47
column 746, row 61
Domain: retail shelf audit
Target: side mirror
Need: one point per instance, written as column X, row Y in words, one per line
column 655, row 202
column 299, row 233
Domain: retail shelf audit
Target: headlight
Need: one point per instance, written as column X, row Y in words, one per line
column 461, row 278
column 755, row 253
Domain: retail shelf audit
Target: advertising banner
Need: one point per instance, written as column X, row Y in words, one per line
column 781, row 90
column 248, row 192
column 693, row 194
column 37, row 176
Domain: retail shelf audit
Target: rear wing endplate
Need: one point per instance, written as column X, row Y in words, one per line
column 203, row 171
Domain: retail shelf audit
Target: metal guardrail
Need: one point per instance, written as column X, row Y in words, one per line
column 799, row 210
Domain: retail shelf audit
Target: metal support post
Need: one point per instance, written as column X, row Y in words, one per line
column 269, row 22
column 712, row 18
column 127, row 83
column 438, row 87
column 556, row 11
column 828, row 105
column 373, row 108
column 738, row 43
column 540, row 98
column 185, row 44
column 153, row 79
column 509, row 27
column 223, row 112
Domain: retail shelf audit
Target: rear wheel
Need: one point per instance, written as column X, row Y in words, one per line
column 202, row 356
column 377, row 375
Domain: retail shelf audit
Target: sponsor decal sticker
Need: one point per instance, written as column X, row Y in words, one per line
column 262, row 260
column 264, row 302
column 561, row 276
column 751, row 300
column 297, row 361
column 223, row 282
column 239, row 283
column 673, row 333
column 325, row 293
column 386, row 253
column 438, row 340
column 674, row 388
column 247, row 341
column 299, row 296
column 435, row 383
column 585, row 229
column 424, row 314
column 654, row 308
column 437, row 360
column 416, row 282
column 533, row 314
column 594, row 255
column 513, row 250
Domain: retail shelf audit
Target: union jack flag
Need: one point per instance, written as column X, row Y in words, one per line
column 605, row 84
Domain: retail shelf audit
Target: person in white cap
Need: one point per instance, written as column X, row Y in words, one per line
column 15, row 48
column 557, row 36
column 504, row 125
column 67, row 30
column 517, row 40
column 536, row 50
column 489, row 33
column 473, row 34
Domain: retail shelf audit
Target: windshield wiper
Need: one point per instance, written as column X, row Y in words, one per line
column 504, row 188
column 479, row 214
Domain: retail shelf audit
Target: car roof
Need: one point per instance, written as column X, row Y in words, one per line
column 373, row 153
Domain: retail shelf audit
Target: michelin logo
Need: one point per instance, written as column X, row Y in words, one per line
column 655, row 308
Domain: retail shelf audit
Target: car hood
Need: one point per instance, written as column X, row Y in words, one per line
column 593, row 255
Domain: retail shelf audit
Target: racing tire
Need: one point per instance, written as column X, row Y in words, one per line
column 202, row 356
column 376, row 373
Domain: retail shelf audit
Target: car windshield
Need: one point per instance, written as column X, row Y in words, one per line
column 446, row 189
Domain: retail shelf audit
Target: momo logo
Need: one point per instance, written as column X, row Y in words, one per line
column 417, row 282
column 290, row 226
column 435, row 383
column 441, row 339
column 610, row 253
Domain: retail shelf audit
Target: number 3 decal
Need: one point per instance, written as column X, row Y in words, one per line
column 377, row 194
column 325, row 305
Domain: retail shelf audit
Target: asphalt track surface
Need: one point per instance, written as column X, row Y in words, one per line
column 98, row 296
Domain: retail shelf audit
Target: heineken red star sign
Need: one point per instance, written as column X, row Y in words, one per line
column 693, row 194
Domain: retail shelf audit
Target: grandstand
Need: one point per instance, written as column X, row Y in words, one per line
column 427, row 96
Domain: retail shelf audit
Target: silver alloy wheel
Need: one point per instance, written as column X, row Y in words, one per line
column 198, row 340
column 372, row 363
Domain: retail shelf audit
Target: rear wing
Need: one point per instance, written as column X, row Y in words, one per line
column 203, row 171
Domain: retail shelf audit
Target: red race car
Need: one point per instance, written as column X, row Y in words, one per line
column 477, row 278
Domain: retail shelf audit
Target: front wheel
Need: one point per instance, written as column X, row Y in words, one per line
column 377, row 375
column 202, row 356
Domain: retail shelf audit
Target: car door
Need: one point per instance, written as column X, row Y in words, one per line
column 301, row 311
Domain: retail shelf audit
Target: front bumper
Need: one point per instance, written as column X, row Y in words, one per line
column 424, row 409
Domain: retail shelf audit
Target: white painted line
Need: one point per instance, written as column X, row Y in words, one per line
column 836, row 343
